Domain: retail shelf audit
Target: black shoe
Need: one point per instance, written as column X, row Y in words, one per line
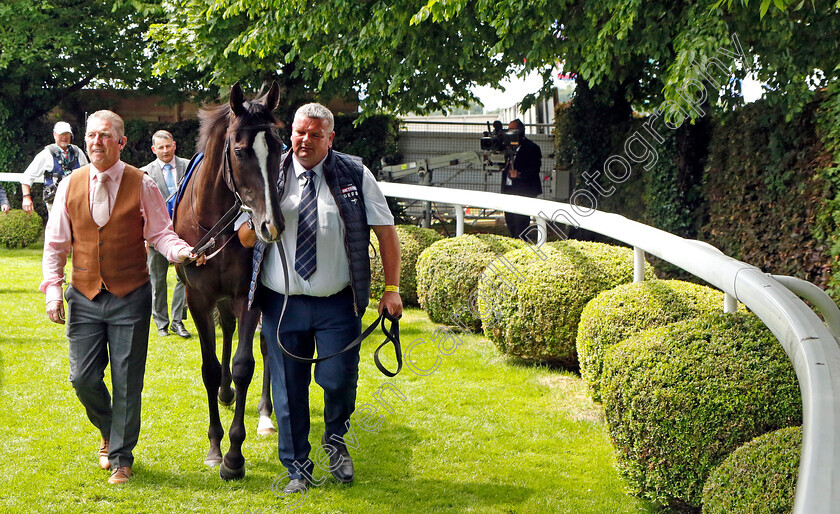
column 341, row 465
column 177, row 327
column 162, row 332
column 296, row 485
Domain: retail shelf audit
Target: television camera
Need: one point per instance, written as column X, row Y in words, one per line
column 500, row 140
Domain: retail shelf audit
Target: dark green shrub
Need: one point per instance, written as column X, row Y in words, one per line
column 680, row 398
column 19, row 229
column 532, row 308
column 448, row 271
column 413, row 240
column 618, row 313
column 760, row 476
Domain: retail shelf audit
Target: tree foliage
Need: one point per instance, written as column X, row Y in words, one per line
column 51, row 49
column 414, row 55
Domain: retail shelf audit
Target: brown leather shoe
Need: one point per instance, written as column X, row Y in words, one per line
column 104, row 463
column 120, row 475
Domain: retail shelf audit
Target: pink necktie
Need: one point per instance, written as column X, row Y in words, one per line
column 100, row 209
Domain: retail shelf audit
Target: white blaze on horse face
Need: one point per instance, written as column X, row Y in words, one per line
column 261, row 150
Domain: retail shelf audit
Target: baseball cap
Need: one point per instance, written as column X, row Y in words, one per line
column 61, row 127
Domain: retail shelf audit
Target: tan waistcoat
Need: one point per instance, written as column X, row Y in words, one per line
column 113, row 256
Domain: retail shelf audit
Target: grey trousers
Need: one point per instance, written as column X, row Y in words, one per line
column 113, row 329
column 158, row 268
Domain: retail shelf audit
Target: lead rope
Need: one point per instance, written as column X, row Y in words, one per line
column 392, row 335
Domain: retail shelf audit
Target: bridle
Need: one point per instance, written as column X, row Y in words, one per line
column 208, row 241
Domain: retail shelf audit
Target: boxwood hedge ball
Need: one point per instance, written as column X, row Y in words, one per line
column 760, row 476
column 19, row 229
column 678, row 399
column 413, row 240
column 447, row 275
column 531, row 307
column 618, row 313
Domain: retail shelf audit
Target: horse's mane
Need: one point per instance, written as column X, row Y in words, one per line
column 212, row 121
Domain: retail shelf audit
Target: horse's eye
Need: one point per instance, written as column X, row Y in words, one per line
column 238, row 152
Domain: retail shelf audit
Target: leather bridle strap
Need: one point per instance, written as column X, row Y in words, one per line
column 392, row 334
column 208, row 241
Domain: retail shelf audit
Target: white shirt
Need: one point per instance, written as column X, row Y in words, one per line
column 43, row 162
column 332, row 271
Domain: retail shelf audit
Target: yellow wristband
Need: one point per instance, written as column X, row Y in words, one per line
column 392, row 289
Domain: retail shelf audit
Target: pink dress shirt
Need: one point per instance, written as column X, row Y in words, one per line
column 157, row 228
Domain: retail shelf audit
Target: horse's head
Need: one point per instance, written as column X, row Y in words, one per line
column 253, row 154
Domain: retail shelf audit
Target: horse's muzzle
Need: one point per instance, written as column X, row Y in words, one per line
column 268, row 232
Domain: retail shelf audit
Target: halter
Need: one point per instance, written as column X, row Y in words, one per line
column 208, row 241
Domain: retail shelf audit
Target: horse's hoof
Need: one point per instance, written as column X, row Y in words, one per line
column 226, row 400
column 231, row 474
column 266, row 427
column 214, row 458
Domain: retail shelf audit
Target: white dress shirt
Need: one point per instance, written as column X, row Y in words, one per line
column 332, row 272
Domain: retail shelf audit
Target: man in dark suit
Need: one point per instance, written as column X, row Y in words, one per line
column 167, row 171
column 521, row 176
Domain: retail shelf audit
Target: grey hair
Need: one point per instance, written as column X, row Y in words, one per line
column 114, row 118
column 162, row 134
column 318, row 112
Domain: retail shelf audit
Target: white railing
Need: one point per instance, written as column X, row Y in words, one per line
column 13, row 177
column 808, row 342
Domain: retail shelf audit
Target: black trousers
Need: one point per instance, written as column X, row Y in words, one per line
column 517, row 224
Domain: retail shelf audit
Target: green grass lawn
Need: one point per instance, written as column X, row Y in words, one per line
column 479, row 434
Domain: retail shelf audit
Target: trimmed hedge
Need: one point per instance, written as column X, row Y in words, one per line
column 19, row 229
column 619, row 313
column 448, row 272
column 533, row 307
column 680, row 398
column 757, row 477
column 413, row 240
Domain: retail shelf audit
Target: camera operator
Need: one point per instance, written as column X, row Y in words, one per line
column 521, row 176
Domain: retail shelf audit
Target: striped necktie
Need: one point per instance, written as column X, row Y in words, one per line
column 307, row 227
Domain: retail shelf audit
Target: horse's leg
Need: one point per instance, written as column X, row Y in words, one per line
column 233, row 466
column 228, row 323
column 211, row 371
column 266, row 427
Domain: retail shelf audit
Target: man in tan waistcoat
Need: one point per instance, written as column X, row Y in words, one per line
column 103, row 214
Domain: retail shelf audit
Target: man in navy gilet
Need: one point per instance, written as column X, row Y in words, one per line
column 52, row 164
column 330, row 204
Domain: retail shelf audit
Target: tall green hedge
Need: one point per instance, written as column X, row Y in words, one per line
column 763, row 188
column 764, row 191
column 678, row 399
column 827, row 228
column 666, row 193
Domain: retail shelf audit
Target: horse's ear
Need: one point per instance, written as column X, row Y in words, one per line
column 237, row 100
column 272, row 99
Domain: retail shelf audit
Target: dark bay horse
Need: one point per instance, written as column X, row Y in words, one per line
column 242, row 153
